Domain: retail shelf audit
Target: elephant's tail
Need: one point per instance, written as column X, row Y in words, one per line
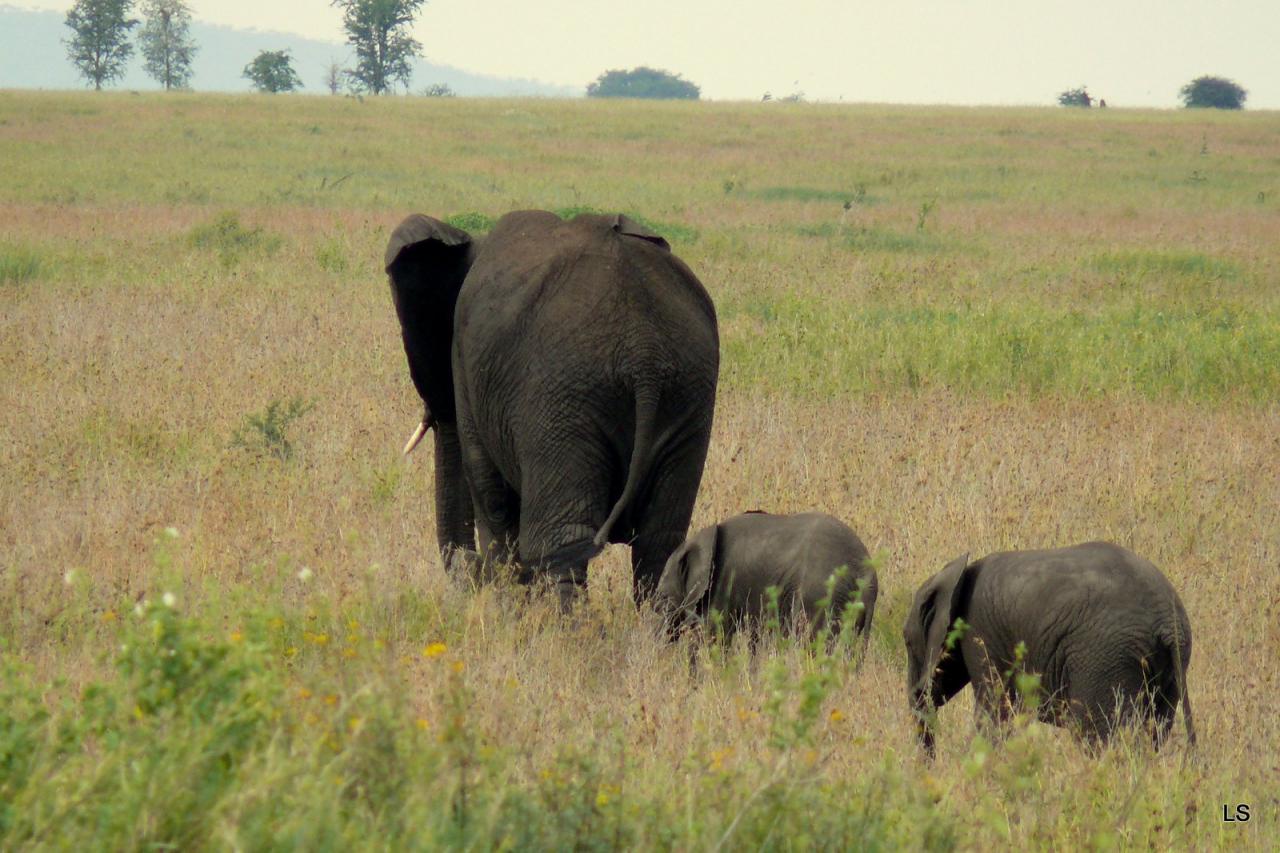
column 1186, row 714
column 1178, row 641
column 641, row 453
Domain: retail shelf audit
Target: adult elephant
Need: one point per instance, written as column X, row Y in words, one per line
column 569, row 370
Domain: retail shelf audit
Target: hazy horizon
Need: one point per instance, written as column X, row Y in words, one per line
column 917, row 52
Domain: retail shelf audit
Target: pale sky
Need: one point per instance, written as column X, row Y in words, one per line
column 1131, row 52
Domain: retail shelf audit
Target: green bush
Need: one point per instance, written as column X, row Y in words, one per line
column 230, row 239
column 1214, row 92
column 643, row 82
column 1075, row 98
column 265, row 433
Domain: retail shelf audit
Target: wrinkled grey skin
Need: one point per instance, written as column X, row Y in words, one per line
column 569, row 371
column 727, row 567
column 1103, row 629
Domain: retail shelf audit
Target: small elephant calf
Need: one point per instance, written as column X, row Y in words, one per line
column 1101, row 627
column 728, row 567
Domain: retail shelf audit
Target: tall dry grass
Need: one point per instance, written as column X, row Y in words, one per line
column 372, row 695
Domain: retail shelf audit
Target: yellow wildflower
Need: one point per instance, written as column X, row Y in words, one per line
column 422, row 723
column 719, row 757
column 457, row 666
column 434, row 650
column 836, row 715
column 109, row 616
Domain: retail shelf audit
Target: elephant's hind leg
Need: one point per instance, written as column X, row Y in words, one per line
column 662, row 521
column 1163, row 695
column 561, row 510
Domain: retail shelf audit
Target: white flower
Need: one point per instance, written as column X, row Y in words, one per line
column 140, row 609
column 70, row 577
column 304, row 574
column 171, row 532
column 169, row 599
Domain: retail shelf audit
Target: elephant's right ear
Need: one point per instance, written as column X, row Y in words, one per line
column 939, row 608
column 415, row 229
column 698, row 564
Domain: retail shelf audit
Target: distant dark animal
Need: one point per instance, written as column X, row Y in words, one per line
column 1102, row 627
column 569, row 372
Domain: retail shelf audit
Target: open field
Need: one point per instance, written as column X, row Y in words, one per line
column 958, row 330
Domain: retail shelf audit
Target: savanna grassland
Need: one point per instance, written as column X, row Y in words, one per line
column 222, row 620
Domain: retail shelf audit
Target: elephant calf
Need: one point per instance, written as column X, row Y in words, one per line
column 1101, row 627
column 728, row 567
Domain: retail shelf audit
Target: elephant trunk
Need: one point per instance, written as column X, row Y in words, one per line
column 455, row 515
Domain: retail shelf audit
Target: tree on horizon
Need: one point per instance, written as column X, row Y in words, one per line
column 100, row 45
column 272, row 71
column 379, row 32
column 1076, row 98
column 167, row 46
column 643, row 82
column 1214, row 92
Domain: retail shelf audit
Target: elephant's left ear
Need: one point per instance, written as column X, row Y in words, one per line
column 415, row 229
column 631, row 228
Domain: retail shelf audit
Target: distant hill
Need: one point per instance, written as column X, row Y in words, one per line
column 33, row 56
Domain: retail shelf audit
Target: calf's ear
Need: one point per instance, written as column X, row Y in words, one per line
column 943, row 592
column 698, row 564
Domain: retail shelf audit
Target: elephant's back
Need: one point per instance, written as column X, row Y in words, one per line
column 1086, row 589
column 579, row 302
column 807, row 546
column 533, row 262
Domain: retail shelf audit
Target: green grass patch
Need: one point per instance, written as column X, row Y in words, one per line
column 883, row 240
column 201, row 733
column 854, row 196
column 331, row 256
column 472, row 222
column 289, row 726
column 1138, row 263
column 230, row 239
column 817, row 347
column 18, row 264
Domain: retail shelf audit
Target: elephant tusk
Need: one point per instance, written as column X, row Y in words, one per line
column 416, row 437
